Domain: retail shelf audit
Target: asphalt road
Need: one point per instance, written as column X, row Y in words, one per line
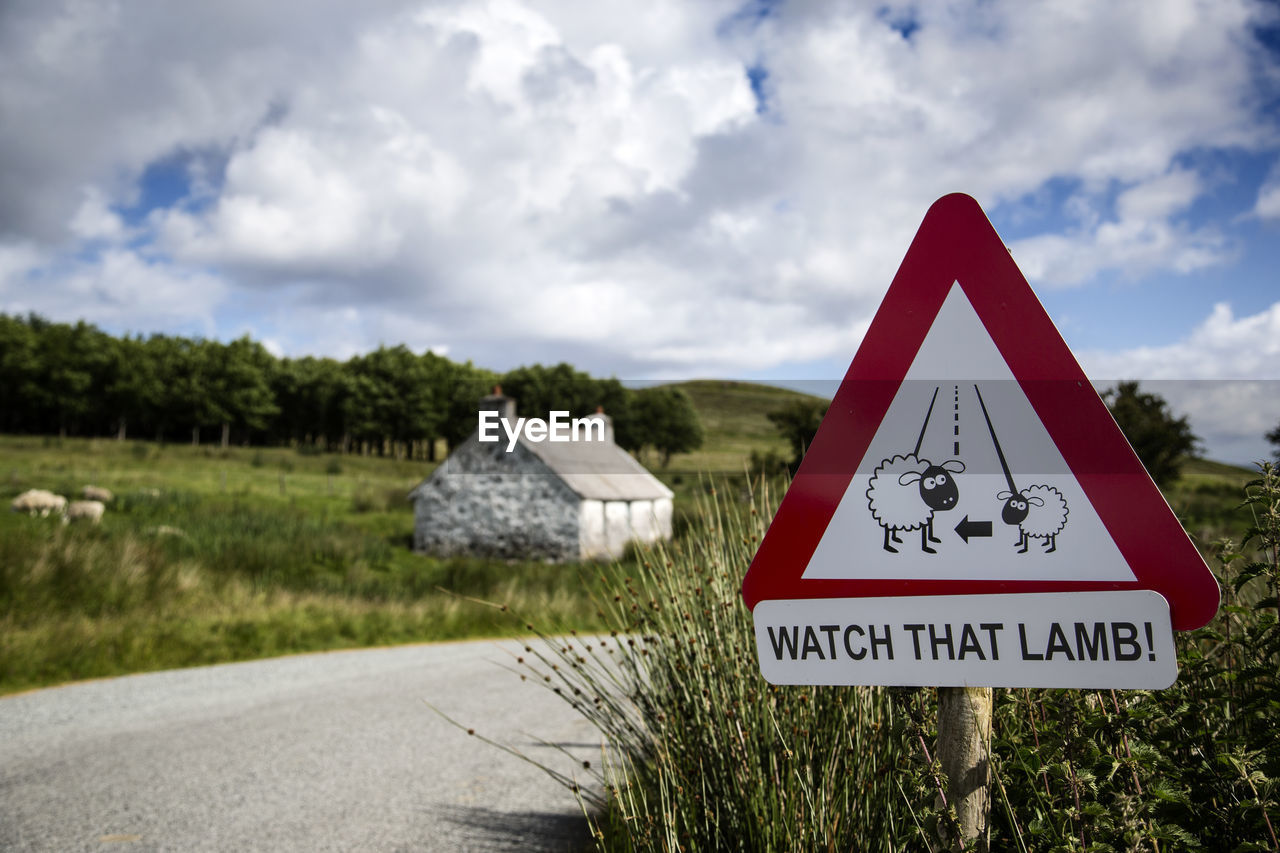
column 332, row 751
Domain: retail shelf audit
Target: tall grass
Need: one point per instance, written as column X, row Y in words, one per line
column 702, row 754
column 177, row 579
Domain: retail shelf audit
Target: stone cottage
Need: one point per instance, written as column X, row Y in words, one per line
column 561, row 500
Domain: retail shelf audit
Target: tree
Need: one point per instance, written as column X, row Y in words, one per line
column 173, row 361
column 19, row 369
column 1161, row 441
column 392, row 397
column 464, row 385
column 309, row 392
column 133, row 389
column 1274, row 438
column 663, row 417
column 798, row 422
column 239, row 385
column 71, row 363
column 540, row 390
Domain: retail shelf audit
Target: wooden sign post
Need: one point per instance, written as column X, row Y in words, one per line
column 964, row 751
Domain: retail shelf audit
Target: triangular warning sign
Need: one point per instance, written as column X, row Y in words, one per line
column 966, row 453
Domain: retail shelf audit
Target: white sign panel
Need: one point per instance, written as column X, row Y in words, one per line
column 1112, row 639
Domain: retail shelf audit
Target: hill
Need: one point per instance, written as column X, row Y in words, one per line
column 735, row 418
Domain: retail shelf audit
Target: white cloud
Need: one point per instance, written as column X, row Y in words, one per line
column 118, row 289
column 17, row 260
column 547, row 179
column 1268, row 204
column 1144, row 235
column 1223, row 346
column 1224, row 377
column 95, row 220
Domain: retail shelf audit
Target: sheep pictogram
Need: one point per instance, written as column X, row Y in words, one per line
column 905, row 492
column 1040, row 512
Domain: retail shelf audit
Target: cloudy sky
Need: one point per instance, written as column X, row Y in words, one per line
column 648, row 189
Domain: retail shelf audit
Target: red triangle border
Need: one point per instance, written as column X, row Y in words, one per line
column 956, row 243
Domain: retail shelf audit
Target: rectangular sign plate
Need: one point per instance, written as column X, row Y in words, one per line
column 1121, row 639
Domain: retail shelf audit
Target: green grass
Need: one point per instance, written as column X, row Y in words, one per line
column 209, row 555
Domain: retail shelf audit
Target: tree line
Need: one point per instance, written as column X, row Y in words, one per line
column 75, row 379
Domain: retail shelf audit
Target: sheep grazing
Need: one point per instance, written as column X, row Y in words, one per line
column 97, row 493
column 38, row 502
column 1040, row 513
column 90, row 511
column 905, row 492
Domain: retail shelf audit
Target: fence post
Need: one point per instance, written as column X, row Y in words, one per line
column 964, row 738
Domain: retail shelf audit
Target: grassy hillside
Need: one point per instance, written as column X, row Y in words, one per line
column 734, row 416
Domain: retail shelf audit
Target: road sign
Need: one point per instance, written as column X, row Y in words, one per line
column 966, row 463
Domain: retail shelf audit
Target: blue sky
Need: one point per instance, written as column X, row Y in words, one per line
column 658, row 190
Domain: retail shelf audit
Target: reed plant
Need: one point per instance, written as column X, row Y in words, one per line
column 701, row 753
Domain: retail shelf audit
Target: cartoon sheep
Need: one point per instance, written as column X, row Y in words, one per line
column 905, row 492
column 1040, row 512
column 38, row 502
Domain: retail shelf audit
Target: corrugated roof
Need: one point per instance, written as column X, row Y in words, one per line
column 598, row 470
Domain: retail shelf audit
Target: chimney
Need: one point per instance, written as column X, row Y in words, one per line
column 498, row 402
column 608, row 423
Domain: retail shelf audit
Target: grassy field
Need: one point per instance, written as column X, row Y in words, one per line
column 212, row 554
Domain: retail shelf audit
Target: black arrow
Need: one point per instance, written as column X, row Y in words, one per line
column 967, row 528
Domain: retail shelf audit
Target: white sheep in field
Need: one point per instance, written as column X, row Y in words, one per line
column 1040, row 513
column 97, row 493
column 905, row 492
column 90, row 511
column 38, row 502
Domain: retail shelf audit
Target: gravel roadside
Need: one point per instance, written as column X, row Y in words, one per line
column 333, row 751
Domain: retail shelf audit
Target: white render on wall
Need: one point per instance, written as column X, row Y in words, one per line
column 591, row 539
column 642, row 521
column 662, row 511
column 617, row 526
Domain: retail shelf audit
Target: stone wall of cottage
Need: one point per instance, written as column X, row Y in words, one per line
column 485, row 501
